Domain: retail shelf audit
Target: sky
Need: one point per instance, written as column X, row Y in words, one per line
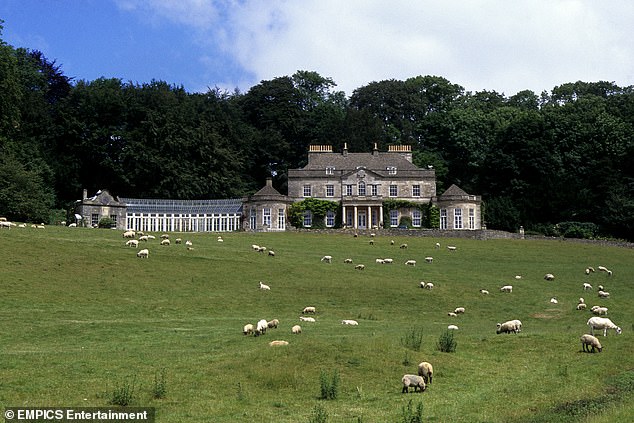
column 496, row 45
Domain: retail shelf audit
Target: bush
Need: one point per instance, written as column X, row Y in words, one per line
column 329, row 386
column 320, row 415
column 106, row 223
column 123, row 395
column 413, row 339
column 446, row 342
column 413, row 416
column 582, row 230
column 159, row 389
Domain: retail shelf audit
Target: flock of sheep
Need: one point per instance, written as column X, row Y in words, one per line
column 134, row 242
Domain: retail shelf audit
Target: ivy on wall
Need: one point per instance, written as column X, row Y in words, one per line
column 319, row 208
column 430, row 213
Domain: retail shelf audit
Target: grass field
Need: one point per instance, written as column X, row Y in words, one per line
column 83, row 319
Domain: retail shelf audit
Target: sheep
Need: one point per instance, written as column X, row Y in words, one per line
column 602, row 269
column 307, row 319
column 589, row 341
column 255, row 247
column 178, row 241
column 589, row 270
column 132, row 243
column 429, row 286
column 260, row 327
column 188, row 243
column 413, row 380
column 348, row 261
column 278, row 343
column 296, row 330
column 518, row 324
column 391, row 242
column 388, row 261
column 380, row 261
column 437, row 245
column 410, row 263
column 587, row 286
column 371, row 242
column 273, row 323
column 429, row 259
column 602, row 323
column 165, row 236
column 484, row 292
column 129, row 234
column 603, row 294
column 144, row 253
column 350, row 322
column 165, row 242
column 144, row 238
column 507, row 288
column 549, row 277
column 507, row 327
column 451, row 247
column 600, row 311
column 459, row 310
column 309, row 309
column 262, row 249
column 581, row 306
column 327, row 259
column 452, row 314
column 452, row 327
column 264, row 287
column 248, row 329
column 518, row 277
column 554, row 300
column 151, row 237
column 360, row 267
column 600, row 287
column 426, row 370
column 219, row 239
column 581, row 300
column 271, row 253
column 403, row 246
column 372, row 235
column 72, row 225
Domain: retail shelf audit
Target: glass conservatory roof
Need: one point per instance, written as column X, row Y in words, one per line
column 145, row 205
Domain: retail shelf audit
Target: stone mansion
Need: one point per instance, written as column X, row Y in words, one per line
column 361, row 183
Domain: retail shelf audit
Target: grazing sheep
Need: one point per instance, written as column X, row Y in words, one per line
column 554, row 300
column 219, row 239
column 278, row 343
column 143, row 238
column 380, row 261
column 603, row 294
column 581, row 300
column 255, row 247
column 429, row 259
column 589, row 270
column 518, row 277
column 360, row 266
column 264, row 286
column 403, row 246
column 262, row 249
column 392, row 242
column 507, row 288
column 410, row 263
column 248, row 329
column 348, row 261
column 350, row 322
column 144, row 253
column 178, row 241
column 261, row 327
column 459, row 310
column 587, row 286
column 589, row 341
column 371, row 242
column 165, row 242
column 437, row 245
column 602, row 323
column 271, row 253
column 600, row 311
column 426, row 370
column 451, row 247
column 452, row 327
column 581, row 306
column 296, row 330
column 132, row 243
column 188, row 243
column 429, row 285
column 129, row 234
column 273, row 323
column 602, row 269
column 600, row 287
column 307, row 319
column 388, row 261
column 452, row 314
column 72, row 225
column 518, row 324
column 549, row 277
column 507, row 327
column 484, row 292
column 310, row 309
column 413, row 381
column 165, row 236
column 327, row 259
column 151, row 237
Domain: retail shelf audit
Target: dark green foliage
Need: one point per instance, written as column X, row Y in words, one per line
column 106, row 223
column 159, row 387
column 319, row 415
column 584, row 230
column 446, row 342
column 319, row 208
column 411, row 415
column 413, row 339
column 124, row 394
column 329, row 386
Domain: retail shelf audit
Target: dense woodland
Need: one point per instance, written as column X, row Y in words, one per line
column 538, row 160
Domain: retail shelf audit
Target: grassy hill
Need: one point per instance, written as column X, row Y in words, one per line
column 84, row 322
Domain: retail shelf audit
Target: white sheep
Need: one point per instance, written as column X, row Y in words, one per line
column 429, row 286
column 484, row 292
column 219, row 239
column 188, row 243
column 602, row 323
column 429, row 259
column 380, row 261
column 599, row 311
column 403, row 246
column 144, row 238
column 360, row 266
column 264, row 286
column 518, row 277
column 437, row 245
column 581, row 300
column 309, row 309
column 255, row 247
column 518, row 324
column 602, row 269
column 451, row 247
column 410, row 263
column 459, row 310
column 271, row 253
column 426, row 370
column 507, row 288
column 507, row 327
column 273, row 324
column 307, row 319
column 348, row 261
column 327, row 259
column 277, row 343
column 296, row 330
column 452, row 314
column 581, row 306
column 549, row 277
column 587, row 286
column 553, row 300
column 261, row 327
column 165, row 236
column 589, row 270
column 165, row 242
column 129, row 234
column 603, row 294
column 132, row 243
column 151, row 237
column 452, row 327
column 72, row 225
column 144, row 253
column 248, row 329
column 388, row 261
column 350, row 322
column 178, row 241
column 589, row 341
column 415, row 381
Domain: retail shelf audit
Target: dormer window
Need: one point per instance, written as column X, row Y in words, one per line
column 391, row 170
column 330, row 170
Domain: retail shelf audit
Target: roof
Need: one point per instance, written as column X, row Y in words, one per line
column 456, row 193
column 145, row 205
column 454, row 190
column 377, row 161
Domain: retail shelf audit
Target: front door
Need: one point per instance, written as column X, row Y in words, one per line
column 362, row 220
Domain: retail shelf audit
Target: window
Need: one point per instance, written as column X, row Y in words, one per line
column 330, row 190
column 307, row 191
column 374, row 190
column 416, row 191
column 391, row 170
column 471, row 218
column 361, row 188
column 393, row 218
column 457, row 219
column 393, row 191
column 330, row 170
column 330, row 219
column 308, row 219
column 266, row 217
column 443, row 218
column 349, row 190
column 281, row 220
column 113, row 217
column 416, row 218
column 253, row 216
column 94, row 219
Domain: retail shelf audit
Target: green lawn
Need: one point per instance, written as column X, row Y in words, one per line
column 82, row 317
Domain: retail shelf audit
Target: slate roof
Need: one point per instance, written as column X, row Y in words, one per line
column 147, row 205
column 378, row 161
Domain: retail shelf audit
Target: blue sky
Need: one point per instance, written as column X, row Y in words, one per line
column 500, row 45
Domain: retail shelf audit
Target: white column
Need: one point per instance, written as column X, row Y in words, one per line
column 369, row 218
column 343, row 216
column 381, row 216
column 356, row 218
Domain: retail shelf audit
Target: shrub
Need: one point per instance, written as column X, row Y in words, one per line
column 159, row 388
column 413, row 416
column 329, row 386
column 320, row 415
column 446, row 342
column 106, row 223
column 413, row 339
column 123, row 395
